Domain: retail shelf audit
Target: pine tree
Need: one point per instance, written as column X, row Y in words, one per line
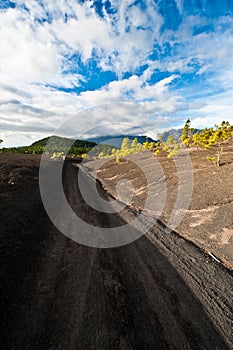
column 125, row 144
column 196, row 138
column 186, row 136
column 171, row 147
column 212, row 137
column 221, row 135
column 134, row 144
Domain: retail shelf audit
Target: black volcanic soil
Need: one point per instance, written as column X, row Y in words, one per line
column 160, row 292
column 208, row 219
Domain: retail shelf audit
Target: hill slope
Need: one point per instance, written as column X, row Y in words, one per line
column 63, row 142
column 56, row 144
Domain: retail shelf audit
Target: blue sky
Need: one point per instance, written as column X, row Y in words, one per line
column 138, row 64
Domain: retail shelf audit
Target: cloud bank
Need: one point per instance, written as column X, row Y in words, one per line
column 163, row 61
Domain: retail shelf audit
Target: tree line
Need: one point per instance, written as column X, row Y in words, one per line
column 215, row 137
column 209, row 138
column 54, row 146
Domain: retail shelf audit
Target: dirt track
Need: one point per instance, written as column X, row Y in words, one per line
column 159, row 292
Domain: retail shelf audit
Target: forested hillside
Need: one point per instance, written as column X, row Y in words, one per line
column 56, row 144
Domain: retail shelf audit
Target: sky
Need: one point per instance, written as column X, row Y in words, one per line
column 113, row 66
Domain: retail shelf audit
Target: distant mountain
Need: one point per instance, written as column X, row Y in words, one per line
column 117, row 139
column 175, row 133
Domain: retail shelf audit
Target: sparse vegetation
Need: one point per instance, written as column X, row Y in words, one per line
column 221, row 135
column 127, row 147
column 215, row 137
column 58, row 155
column 209, row 138
column 171, row 147
column 133, row 147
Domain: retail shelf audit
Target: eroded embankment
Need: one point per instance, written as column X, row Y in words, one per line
column 188, row 194
column 209, row 280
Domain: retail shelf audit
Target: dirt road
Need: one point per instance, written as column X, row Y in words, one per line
column 159, row 292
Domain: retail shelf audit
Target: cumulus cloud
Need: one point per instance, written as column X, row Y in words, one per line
column 34, row 47
column 160, row 71
column 113, row 99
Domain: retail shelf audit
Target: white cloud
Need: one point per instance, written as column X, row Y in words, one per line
column 46, row 109
column 33, row 50
column 179, row 4
column 34, row 55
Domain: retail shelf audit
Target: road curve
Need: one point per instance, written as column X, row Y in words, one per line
column 156, row 293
